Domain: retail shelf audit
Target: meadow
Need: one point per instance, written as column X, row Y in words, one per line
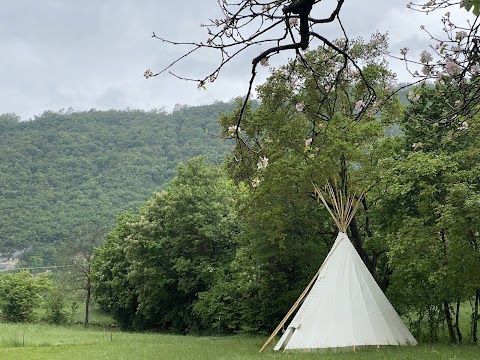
column 38, row 341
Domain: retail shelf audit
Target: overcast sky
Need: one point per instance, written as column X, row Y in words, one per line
column 87, row 54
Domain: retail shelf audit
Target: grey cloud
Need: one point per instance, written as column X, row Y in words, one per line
column 91, row 54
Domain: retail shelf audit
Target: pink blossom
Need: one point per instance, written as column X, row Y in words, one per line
column 359, row 105
column 308, row 142
column 425, row 57
column 452, row 68
column 426, row 70
column 293, row 21
column 148, row 73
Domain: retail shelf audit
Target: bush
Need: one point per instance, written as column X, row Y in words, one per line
column 21, row 295
column 55, row 308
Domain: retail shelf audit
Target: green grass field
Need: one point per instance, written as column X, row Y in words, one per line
column 23, row 341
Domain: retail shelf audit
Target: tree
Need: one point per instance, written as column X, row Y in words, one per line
column 55, row 307
column 427, row 215
column 296, row 135
column 286, row 25
column 59, row 166
column 78, row 254
column 157, row 262
column 456, row 64
column 21, row 294
column 111, row 288
column 320, row 137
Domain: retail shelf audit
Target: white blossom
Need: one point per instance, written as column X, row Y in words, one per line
column 413, row 96
column 452, row 68
column 264, row 62
column 359, row 105
column 308, row 142
column 457, row 49
column 425, row 57
column 460, row 35
column 463, row 126
column 417, row 145
column 232, row 130
column 300, row 107
column 292, row 84
column 426, row 70
column 263, row 163
column 255, row 182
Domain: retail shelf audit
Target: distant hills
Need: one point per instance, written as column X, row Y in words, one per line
column 67, row 169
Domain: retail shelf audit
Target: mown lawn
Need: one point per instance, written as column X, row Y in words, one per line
column 19, row 341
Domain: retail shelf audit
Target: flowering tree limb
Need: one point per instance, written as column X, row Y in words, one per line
column 288, row 25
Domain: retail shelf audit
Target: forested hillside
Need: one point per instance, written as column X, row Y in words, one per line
column 67, row 169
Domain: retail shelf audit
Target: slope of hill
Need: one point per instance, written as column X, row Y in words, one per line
column 66, row 169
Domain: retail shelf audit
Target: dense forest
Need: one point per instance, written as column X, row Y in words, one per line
column 225, row 243
column 206, row 256
column 67, row 169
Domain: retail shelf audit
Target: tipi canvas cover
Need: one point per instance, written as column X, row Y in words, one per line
column 342, row 305
column 344, row 308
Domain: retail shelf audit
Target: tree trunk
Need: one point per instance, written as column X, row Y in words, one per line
column 457, row 325
column 87, row 302
column 358, row 242
column 475, row 318
column 356, row 236
column 432, row 312
column 448, row 318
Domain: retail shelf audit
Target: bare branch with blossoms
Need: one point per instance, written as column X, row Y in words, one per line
column 432, row 5
column 457, row 60
column 276, row 26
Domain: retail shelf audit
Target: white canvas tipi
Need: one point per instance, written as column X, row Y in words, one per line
column 342, row 306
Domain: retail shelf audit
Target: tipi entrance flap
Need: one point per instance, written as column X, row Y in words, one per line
column 285, row 338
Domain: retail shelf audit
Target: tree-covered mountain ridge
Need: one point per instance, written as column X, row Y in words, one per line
column 66, row 169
